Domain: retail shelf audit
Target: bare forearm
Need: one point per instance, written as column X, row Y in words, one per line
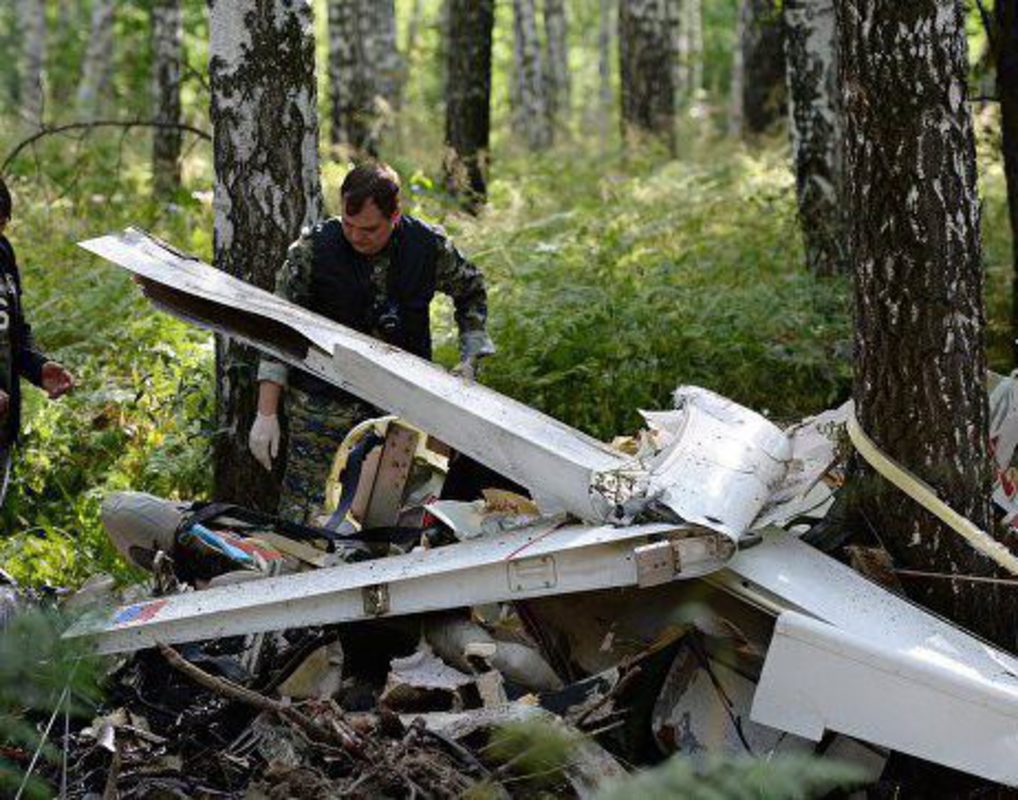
column 269, row 393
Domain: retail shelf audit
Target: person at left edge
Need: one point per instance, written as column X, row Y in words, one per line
column 20, row 357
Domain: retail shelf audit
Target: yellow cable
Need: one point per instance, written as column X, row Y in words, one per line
column 927, row 498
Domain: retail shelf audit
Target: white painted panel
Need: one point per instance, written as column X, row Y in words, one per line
column 511, row 566
column 818, row 677
column 547, row 456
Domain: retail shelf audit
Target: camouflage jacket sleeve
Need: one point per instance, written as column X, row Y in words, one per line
column 293, row 283
column 464, row 283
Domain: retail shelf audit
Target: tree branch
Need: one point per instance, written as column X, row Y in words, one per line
column 339, row 735
column 99, row 123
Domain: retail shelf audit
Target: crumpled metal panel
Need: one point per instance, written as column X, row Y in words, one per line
column 716, row 466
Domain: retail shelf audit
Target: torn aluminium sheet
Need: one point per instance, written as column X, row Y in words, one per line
column 716, row 470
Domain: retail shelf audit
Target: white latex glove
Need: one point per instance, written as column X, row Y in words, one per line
column 263, row 441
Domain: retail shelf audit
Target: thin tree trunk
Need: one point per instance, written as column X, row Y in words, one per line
column 692, row 22
column 816, row 129
column 95, row 70
column 32, row 85
column 385, row 56
column 604, row 70
column 265, row 139
column 645, row 51
column 346, row 95
column 676, row 62
column 914, row 237
column 1007, row 89
column 737, row 89
column 364, row 72
column 167, row 57
column 559, row 89
column 763, row 58
column 468, row 99
column 531, row 116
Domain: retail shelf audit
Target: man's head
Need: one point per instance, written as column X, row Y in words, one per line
column 370, row 199
column 6, row 205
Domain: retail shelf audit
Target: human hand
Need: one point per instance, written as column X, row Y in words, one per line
column 263, row 441
column 5, row 403
column 56, row 380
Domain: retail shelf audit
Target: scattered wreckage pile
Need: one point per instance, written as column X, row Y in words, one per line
column 656, row 594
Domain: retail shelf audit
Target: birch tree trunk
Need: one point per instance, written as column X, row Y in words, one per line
column 815, row 126
column 645, row 51
column 914, row 236
column 531, row 113
column 737, row 91
column 763, row 58
column 692, row 21
column 383, row 58
column 167, row 57
column 468, row 99
column 95, row 70
column 676, row 37
column 33, row 15
column 265, row 139
column 556, row 35
column 1006, row 15
column 365, row 71
column 349, row 98
column 604, row 70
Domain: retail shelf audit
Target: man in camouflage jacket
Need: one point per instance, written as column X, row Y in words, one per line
column 374, row 270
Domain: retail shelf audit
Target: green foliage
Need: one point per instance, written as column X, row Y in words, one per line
column 615, row 281
column 141, row 416
column 532, row 749
column 792, row 777
column 36, row 667
column 539, row 750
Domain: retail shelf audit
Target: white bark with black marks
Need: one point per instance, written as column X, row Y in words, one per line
column 98, row 62
column 816, row 129
column 914, row 216
column 384, row 56
column 531, row 119
column 167, row 58
column 365, row 72
column 265, row 142
column 676, row 32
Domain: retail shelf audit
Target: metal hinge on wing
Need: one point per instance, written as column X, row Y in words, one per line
column 664, row 561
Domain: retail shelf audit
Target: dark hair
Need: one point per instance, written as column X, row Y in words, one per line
column 6, row 205
column 372, row 180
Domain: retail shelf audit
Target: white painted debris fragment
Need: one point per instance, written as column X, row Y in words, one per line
column 719, row 463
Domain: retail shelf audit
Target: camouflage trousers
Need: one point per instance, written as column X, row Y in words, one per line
column 317, row 427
